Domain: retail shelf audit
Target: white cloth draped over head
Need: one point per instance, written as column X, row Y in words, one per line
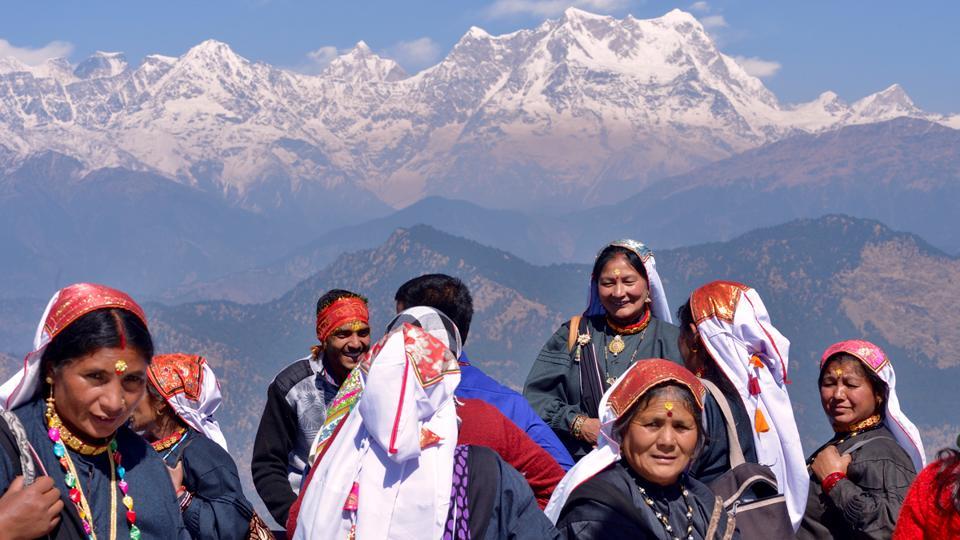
column 617, row 401
column 737, row 333
column 189, row 386
column 658, row 298
column 64, row 308
column 906, row 433
column 397, row 444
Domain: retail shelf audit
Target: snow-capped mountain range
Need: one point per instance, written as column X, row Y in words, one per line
column 584, row 108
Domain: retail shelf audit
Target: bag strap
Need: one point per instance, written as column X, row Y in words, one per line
column 733, row 440
column 856, row 446
column 574, row 332
column 15, row 443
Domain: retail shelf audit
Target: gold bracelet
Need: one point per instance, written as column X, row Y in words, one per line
column 576, row 428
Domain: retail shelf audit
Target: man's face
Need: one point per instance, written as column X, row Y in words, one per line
column 345, row 345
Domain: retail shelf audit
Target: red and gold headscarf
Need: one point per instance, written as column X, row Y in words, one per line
column 639, row 379
column 350, row 310
column 64, row 308
column 189, row 386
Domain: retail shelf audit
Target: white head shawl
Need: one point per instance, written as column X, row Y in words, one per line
column 404, row 486
column 737, row 333
column 617, row 400
column 658, row 298
column 906, row 433
column 64, row 308
column 190, row 387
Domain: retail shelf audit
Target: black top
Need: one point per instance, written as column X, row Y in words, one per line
column 714, row 458
column 609, row 506
column 294, row 412
column 500, row 501
column 149, row 482
column 218, row 509
column 867, row 502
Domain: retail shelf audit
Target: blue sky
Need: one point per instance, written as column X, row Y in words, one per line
column 800, row 48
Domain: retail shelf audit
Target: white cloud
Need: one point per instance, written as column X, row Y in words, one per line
column 713, row 21
column 415, row 54
column 758, row 67
column 37, row 56
column 550, row 8
column 317, row 60
column 702, row 7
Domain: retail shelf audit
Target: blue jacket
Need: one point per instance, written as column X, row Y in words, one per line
column 475, row 384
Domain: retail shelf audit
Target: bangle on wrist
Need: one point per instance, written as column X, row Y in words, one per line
column 576, row 428
column 831, row 480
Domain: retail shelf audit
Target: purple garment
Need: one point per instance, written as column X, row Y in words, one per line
column 458, row 518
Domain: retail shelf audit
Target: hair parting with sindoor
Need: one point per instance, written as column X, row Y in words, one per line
column 106, row 328
column 612, row 251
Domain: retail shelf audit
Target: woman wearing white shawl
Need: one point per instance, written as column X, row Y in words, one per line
column 634, row 484
column 390, row 467
column 627, row 318
column 861, row 476
column 727, row 338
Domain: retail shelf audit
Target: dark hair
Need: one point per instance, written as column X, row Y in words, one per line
column 662, row 389
column 685, row 317
column 444, row 293
column 106, row 328
column 879, row 387
column 947, row 480
column 335, row 294
column 612, row 251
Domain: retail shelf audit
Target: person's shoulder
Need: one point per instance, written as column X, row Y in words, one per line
column 880, row 445
column 293, row 374
column 665, row 329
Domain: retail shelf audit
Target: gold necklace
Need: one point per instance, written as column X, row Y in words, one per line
column 72, row 441
column 169, row 440
column 83, row 508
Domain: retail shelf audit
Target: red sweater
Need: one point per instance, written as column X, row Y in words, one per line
column 482, row 424
column 921, row 518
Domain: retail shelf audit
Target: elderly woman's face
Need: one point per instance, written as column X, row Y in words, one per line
column 623, row 290
column 846, row 393
column 660, row 439
column 92, row 399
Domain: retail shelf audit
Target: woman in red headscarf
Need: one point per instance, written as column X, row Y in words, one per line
column 177, row 419
column 74, row 394
column 860, row 476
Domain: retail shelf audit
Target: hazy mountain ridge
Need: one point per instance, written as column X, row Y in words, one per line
column 571, row 106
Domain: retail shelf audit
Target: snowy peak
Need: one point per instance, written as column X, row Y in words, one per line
column 101, row 65
column 886, row 104
column 361, row 64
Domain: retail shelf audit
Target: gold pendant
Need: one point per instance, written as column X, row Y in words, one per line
column 616, row 345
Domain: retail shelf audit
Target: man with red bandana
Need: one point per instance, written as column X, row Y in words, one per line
column 298, row 398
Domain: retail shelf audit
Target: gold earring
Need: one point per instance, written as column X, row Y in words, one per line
column 51, row 412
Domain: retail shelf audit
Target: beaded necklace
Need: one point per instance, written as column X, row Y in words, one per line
column 58, row 433
column 616, row 346
column 665, row 518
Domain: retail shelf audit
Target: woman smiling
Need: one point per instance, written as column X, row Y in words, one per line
column 861, row 476
column 633, row 485
column 627, row 318
column 77, row 389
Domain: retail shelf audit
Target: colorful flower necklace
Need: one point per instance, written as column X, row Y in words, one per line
column 58, row 433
